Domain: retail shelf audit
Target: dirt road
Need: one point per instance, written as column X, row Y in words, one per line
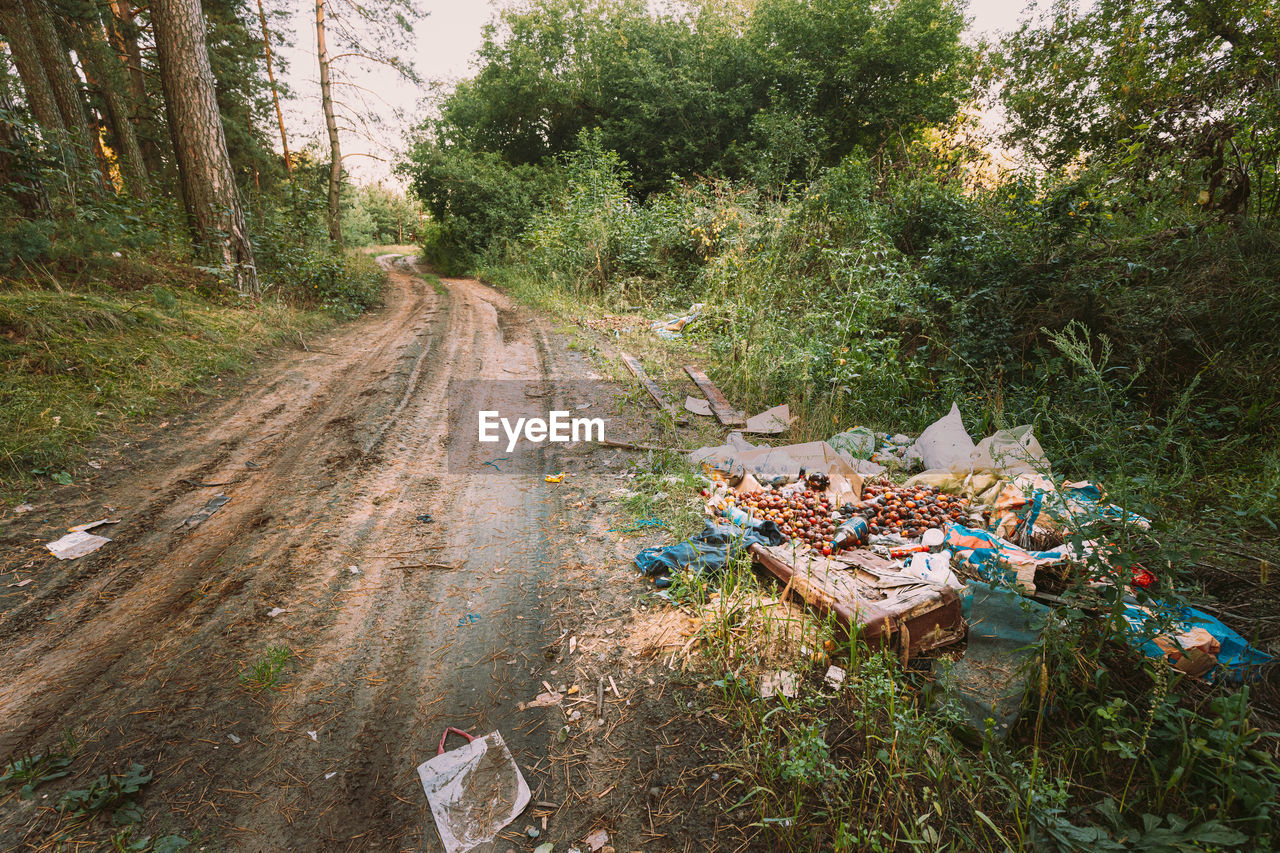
column 396, row 625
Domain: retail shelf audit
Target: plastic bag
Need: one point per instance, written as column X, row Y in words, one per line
column 944, row 444
column 1011, row 451
column 858, row 442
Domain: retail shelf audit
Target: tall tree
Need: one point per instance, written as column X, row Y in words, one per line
column 331, row 125
column 22, row 47
column 104, row 72
column 62, row 77
column 199, row 142
column 275, row 93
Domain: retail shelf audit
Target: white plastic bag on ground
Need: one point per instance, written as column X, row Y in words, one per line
column 945, row 444
column 1011, row 452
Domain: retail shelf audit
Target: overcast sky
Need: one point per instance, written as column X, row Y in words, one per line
column 443, row 46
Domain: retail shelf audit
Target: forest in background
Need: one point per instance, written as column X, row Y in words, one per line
column 158, row 223
column 816, row 172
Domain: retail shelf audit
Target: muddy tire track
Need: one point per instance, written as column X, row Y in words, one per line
column 329, row 459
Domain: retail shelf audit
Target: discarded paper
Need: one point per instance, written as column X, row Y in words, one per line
column 781, row 683
column 75, row 545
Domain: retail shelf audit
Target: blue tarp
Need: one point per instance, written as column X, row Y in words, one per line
column 708, row 551
column 1237, row 660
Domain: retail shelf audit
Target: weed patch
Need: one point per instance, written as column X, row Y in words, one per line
column 265, row 672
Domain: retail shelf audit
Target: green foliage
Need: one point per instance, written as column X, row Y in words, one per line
column 125, row 842
column 474, row 199
column 694, row 89
column 265, row 672
column 1186, row 91
column 30, row 772
column 373, row 215
column 114, row 792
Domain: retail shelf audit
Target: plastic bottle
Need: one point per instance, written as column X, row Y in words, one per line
column 851, row 534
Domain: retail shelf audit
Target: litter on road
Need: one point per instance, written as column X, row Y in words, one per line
column 474, row 791
column 201, row 515
column 75, row 545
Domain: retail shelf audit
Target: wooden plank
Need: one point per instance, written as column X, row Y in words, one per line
column 633, row 364
column 720, row 407
column 850, row 588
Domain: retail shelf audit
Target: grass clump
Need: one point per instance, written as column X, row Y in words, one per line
column 266, row 672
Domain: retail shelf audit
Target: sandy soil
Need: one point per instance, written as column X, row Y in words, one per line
column 397, row 626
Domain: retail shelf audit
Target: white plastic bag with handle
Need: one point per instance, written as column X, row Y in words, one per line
column 474, row 791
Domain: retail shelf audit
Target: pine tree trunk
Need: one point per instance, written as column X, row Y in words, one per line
column 331, row 124
column 14, row 150
column 275, row 95
column 105, row 74
column 122, row 31
column 199, row 141
column 124, row 37
column 62, row 78
column 22, row 47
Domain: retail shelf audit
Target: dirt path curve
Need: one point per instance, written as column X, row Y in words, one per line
column 397, row 626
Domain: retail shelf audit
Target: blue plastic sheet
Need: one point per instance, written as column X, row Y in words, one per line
column 708, row 551
column 990, row 681
column 1237, row 660
column 994, row 559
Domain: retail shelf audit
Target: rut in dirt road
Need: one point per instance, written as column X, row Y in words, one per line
column 397, row 626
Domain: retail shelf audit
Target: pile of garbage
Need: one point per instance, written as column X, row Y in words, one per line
column 982, row 519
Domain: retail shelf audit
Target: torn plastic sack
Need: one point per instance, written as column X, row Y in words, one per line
column 1195, row 642
column 1034, row 512
column 708, row 551
column 858, row 442
column 674, row 324
column 990, row 681
column 776, row 466
column 944, row 444
column 981, row 487
column 995, row 559
column 1011, row 451
column 1085, row 497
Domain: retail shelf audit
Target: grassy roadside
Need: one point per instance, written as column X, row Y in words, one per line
column 82, row 360
column 1111, row 753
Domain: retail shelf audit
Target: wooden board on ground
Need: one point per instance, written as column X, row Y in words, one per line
column 637, row 370
column 725, row 413
column 867, row 591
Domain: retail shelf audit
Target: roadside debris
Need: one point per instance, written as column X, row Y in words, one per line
column 597, row 840
column 720, row 407
column 991, row 679
column 955, row 552
column 543, row 700
column 697, row 406
column 474, row 791
column 770, row 421
column 781, row 683
column 22, row 508
column 76, row 544
column 201, row 515
column 555, row 478
column 633, row 365
column 671, row 327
